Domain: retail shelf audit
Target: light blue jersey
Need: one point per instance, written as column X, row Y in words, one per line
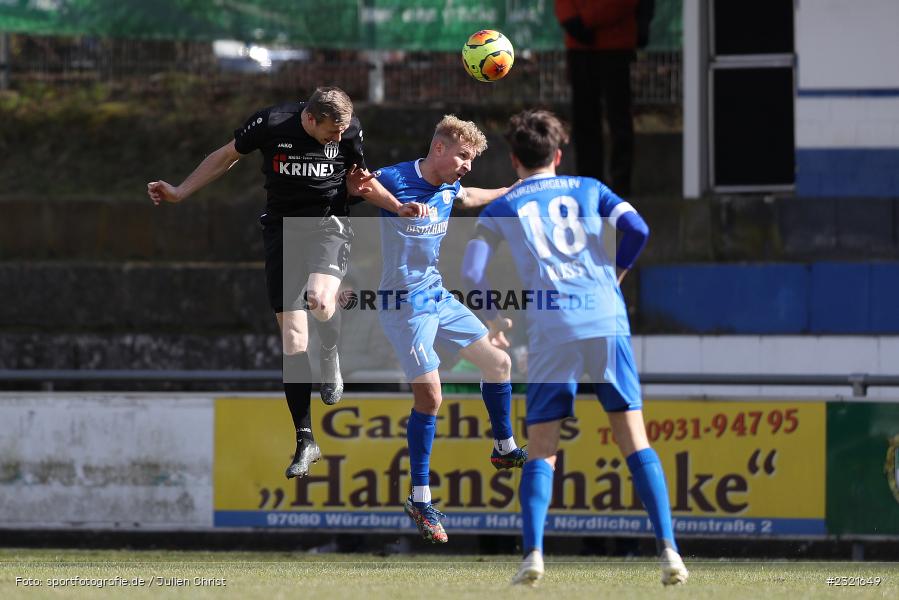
column 559, row 236
column 410, row 248
column 428, row 315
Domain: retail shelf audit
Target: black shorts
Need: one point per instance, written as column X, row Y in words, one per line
column 313, row 245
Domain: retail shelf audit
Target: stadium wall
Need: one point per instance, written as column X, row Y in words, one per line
column 847, row 99
column 785, row 298
column 772, row 354
column 105, row 461
column 776, row 467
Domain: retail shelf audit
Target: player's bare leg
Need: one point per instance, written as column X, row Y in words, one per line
column 294, row 327
column 321, row 296
column 496, row 389
column 426, row 394
column 495, row 365
column 535, row 493
column 630, row 433
column 629, row 430
column 426, row 399
column 544, row 441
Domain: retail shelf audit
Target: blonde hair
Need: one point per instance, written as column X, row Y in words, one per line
column 330, row 103
column 467, row 133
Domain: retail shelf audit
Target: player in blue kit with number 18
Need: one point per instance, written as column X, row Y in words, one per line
column 556, row 227
column 418, row 314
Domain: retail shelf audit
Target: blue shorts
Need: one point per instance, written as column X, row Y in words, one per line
column 553, row 374
column 434, row 319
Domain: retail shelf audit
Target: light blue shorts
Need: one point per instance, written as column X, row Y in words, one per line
column 553, row 374
column 432, row 320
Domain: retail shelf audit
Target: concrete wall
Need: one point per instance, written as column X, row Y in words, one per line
column 778, row 354
column 106, row 461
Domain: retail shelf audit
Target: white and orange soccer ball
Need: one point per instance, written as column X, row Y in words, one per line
column 488, row 55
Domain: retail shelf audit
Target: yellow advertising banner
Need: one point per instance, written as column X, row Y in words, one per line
column 753, row 468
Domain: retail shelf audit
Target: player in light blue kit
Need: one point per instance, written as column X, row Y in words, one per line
column 417, row 312
column 555, row 227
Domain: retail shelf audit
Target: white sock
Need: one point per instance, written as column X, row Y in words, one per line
column 421, row 493
column 505, row 446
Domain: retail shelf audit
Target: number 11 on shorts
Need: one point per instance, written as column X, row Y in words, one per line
column 424, row 355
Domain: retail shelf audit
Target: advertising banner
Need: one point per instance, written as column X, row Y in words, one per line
column 754, row 468
column 863, row 468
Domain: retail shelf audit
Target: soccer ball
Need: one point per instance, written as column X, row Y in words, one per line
column 488, row 55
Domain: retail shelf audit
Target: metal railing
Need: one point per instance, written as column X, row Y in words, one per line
column 858, row 382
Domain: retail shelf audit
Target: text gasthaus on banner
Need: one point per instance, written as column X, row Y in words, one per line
column 733, row 468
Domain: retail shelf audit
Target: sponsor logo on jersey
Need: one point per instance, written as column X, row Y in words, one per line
column 432, row 229
column 285, row 145
column 282, row 166
column 331, row 150
column 433, row 215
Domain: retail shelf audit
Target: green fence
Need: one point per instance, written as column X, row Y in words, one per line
column 434, row 25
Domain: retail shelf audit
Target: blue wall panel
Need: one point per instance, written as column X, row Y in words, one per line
column 821, row 298
column 854, row 172
column 884, row 297
column 839, row 301
column 727, row 298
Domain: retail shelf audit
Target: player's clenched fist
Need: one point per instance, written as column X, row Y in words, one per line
column 160, row 191
column 414, row 210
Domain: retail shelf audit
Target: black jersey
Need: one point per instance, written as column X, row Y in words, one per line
column 303, row 178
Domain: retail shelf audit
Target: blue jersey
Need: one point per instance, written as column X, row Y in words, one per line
column 410, row 248
column 558, row 232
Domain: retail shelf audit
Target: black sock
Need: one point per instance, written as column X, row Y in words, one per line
column 329, row 331
column 298, row 392
column 298, row 402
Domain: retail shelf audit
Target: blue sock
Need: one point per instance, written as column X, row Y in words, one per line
column 535, row 492
column 649, row 479
column 420, row 438
column 498, row 400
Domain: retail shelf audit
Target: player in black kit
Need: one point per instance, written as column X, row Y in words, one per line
column 312, row 162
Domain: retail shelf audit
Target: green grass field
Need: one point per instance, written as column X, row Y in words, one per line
column 272, row 575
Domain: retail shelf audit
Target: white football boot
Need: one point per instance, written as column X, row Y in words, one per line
column 531, row 570
column 673, row 570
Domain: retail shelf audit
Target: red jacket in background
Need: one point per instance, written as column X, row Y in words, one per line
column 613, row 23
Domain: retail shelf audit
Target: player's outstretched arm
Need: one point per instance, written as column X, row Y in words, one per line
column 360, row 182
column 212, row 167
column 474, row 275
column 471, row 197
